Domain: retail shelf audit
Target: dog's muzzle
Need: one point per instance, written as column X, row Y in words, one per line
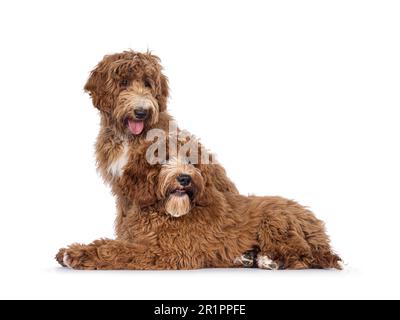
column 184, row 179
column 137, row 124
column 141, row 113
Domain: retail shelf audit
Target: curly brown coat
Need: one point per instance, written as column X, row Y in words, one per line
column 208, row 228
column 161, row 224
column 120, row 85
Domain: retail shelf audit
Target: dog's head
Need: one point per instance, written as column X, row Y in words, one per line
column 181, row 186
column 130, row 91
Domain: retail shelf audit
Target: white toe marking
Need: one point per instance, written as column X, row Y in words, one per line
column 264, row 262
column 67, row 260
column 342, row 265
column 238, row 260
column 242, row 260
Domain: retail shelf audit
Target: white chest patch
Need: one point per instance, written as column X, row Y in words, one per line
column 116, row 168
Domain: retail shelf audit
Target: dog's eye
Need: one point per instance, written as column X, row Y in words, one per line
column 147, row 84
column 124, row 82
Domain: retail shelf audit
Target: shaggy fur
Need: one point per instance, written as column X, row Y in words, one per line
column 162, row 225
column 208, row 228
column 120, row 84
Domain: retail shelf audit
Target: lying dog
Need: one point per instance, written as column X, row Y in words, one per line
column 191, row 225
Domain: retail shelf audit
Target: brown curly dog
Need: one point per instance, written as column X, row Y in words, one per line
column 193, row 225
column 131, row 92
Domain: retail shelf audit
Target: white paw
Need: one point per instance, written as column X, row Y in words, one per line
column 264, row 262
column 342, row 265
column 244, row 260
column 67, row 260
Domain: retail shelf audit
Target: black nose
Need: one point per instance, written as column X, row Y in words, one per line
column 140, row 113
column 184, row 179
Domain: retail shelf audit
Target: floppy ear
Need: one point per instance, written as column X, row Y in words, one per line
column 205, row 190
column 162, row 82
column 164, row 93
column 203, row 198
column 209, row 196
column 145, row 191
column 101, row 86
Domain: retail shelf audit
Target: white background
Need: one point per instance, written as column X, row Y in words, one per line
column 298, row 98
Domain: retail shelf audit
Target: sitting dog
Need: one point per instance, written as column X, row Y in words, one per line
column 131, row 91
column 191, row 224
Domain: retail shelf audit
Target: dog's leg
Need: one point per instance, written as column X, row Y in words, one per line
column 264, row 262
column 282, row 252
column 246, row 260
column 291, row 235
column 107, row 254
column 326, row 259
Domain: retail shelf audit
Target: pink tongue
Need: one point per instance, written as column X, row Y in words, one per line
column 136, row 126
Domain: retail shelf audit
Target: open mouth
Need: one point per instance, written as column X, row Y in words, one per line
column 136, row 127
column 181, row 192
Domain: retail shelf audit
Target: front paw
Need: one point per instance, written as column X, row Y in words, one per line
column 264, row 262
column 60, row 257
column 78, row 257
column 246, row 260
